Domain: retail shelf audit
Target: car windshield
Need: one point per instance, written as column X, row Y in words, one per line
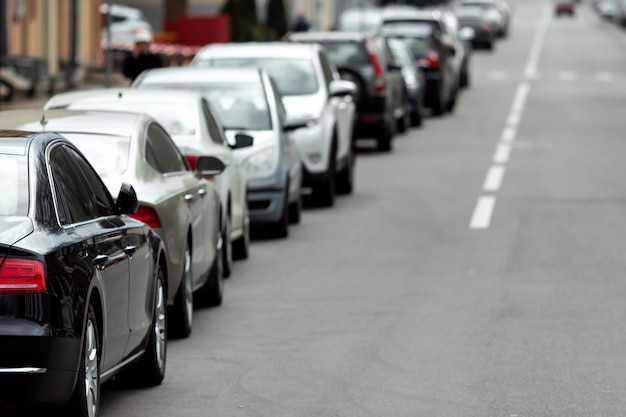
column 346, row 53
column 108, row 154
column 294, row 77
column 414, row 28
column 14, row 174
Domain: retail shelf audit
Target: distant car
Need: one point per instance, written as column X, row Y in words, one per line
column 564, row 7
column 179, row 205
column 318, row 102
column 361, row 19
column 82, row 284
column 126, row 23
column 195, row 127
column 485, row 30
column 249, row 104
column 382, row 103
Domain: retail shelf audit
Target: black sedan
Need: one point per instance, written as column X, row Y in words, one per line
column 82, row 294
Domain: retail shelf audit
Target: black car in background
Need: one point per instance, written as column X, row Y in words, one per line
column 413, row 78
column 382, row 103
column 82, row 288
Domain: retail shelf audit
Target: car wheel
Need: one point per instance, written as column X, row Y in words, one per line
column 324, row 190
column 416, row 115
column 212, row 292
column 280, row 229
column 345, row 178
column 465, row 78
column 150, row 370
column 384, row 137
column 85, row 400
column 241, row 246
column 228, row 248
column 295, row 211
column 438, row 106
column 452, row 100
column 181, row 313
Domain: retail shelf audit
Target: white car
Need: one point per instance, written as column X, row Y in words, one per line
column 126, row 22
column 197, row 130
column 317, row 101
column 249, row 103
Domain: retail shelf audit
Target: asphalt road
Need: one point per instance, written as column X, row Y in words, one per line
column 477, row 271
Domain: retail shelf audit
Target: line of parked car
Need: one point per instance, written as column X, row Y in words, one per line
column 611, row 10
column 200, row 159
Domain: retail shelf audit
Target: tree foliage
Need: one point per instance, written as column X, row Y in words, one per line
column 277, row 17
column 244, row 20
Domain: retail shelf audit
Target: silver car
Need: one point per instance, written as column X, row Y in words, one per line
column 181, row 206
column 195, row 127
column 316, row 99
column 249, row 103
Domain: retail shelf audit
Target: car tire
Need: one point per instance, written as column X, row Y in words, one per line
column 324, row 190
column 181, row 313
column 150, row 370
column 280, row 229
column 241, row 246
column 345, row 177
column 384, row 137
column 211, row 294
column 85, row 400
column 465, row 78
column 438, row 106
column 227, row 251
column 451, row 104
column 295, row 211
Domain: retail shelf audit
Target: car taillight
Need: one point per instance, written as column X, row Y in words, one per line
column 430, row 61
column 379, row 77
column 22, row 276
column 148, row 215
column 192, row 160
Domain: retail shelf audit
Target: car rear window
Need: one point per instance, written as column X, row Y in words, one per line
column 14, row 174
column 346, row 53
column 108, row 154
column 294, row 77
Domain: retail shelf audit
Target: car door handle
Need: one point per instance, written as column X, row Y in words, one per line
column 129, row 250
column 100, row 261
column 189, row 197
column 202, row 192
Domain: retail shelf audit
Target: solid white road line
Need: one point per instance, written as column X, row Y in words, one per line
column 502, row 154
column 493, row 180
column 535, row 50
column 482, row 212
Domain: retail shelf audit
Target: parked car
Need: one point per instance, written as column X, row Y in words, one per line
column 564, row 7
column 126, row 23
column 492, row 14
column 249, row 104
column 196, row 129
column 413, row 78
column 179, row 205
column 485, row 30
column 382, row 103
column 82, row 284
column 316, row 100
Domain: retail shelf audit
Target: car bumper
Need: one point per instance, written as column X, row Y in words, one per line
column 266, row 200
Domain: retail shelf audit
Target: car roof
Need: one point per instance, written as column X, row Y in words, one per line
column 15, row 141
column 328, row 36
column 108, row 96
column 194, row 75
column 258, row 49
column 66, row 121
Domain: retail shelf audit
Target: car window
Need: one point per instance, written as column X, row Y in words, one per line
column 347, row 53
column 74, row 204
column 14, row 174
column 103, row 201
column 240, row 105
column 212, row 124
column 294, row 76
column 161, row 153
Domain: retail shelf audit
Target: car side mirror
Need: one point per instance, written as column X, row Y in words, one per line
column 451, row 50
column 127, row 202
column 242, row 141
column 209, row 166
column 342, row 88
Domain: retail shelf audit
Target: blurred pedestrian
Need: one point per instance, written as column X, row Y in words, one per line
column 140, row 58
column 301, row 24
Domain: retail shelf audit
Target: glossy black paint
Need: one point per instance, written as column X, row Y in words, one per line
column 110, row 262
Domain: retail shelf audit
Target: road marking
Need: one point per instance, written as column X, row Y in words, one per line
column 502, row 154
column 568, row 76
column 604, row 77
column 535, row 50
column 514, row 119
column 519, row 101
column 493, row 180
column 508, row 134
column 482, row 212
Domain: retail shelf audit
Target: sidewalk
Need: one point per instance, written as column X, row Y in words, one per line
column 21, row 101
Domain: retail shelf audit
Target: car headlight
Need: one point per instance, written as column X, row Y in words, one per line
column 262, row 162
